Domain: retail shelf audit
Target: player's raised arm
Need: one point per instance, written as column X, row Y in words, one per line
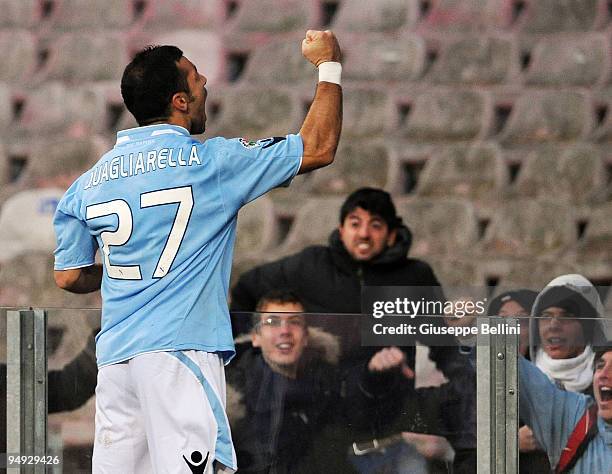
column 320, row 131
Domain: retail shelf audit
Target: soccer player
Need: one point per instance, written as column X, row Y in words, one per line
column 162, row 208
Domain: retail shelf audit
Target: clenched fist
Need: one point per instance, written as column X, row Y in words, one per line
column 321, row 46
column 390, row 358
column 527, row 441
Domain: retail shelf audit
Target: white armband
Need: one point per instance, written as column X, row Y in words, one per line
column 330, row 71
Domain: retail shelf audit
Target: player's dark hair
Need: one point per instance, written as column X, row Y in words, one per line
column 375, row 201
column 150, row 81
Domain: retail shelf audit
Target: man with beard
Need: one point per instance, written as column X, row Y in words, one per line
column 162, row 207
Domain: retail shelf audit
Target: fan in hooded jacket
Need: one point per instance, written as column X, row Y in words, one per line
column 550, row 400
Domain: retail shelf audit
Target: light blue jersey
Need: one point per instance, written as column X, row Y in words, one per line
column 552, row 414
column 162, row 208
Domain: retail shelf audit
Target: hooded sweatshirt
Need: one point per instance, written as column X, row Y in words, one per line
column 552, row 412
column 577, row 295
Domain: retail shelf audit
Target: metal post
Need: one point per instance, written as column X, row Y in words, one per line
column 27, row 385
column 497, row 401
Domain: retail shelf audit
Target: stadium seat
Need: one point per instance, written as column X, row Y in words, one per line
column 457, row 15
column 18, row 52
column 81, row 14
column 5, row 167
column 275, row 16
column 6, row 108
column 21, row 13
column 547, row 116
column 96, row 106
column 457, row 273
column 475, row 60
column 46, row 108
column 316, row 219
column 165, row 14
column 78, row 56
column 578, row 61
column 58, row 161
column 257, row 230
column 54, row 107
column 357, row 164
column 439, row 226
column 552, row 16
column 375, row 15
column 528, row 228
column 475, row 172
column 26, row 222
column 366, row 111
column 576, row 175
column 533, row 273
column 374, row 58
column 126, row 120
column 256, row 112
column 288, row 201
column 284, row 62
column 602, row 102
column 27, row 280
column 596, row 245
column 203, row 48
column 448, row 114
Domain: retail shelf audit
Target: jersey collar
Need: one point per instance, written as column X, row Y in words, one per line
column 149, row 131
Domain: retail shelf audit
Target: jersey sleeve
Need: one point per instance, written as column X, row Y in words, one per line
column 248, row 169
column 76, row 247
column 550, row 412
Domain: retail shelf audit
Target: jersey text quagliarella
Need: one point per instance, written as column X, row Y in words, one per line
column 125, row 166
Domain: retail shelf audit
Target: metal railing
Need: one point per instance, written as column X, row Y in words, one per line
column 497, row 393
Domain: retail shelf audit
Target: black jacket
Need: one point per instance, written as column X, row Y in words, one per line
column 328, row 280
column 282, row 425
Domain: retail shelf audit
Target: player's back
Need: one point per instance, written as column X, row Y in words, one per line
column 162, row 208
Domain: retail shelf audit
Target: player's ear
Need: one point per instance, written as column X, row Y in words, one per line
column 180, row 101
column 391, row 237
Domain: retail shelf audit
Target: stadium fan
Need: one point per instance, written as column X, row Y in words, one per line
column 561, row 331
column 515, row 304
column 162, row 208
column 575, row 432
column 369, row 248
column 419, row 417
column 284, row 397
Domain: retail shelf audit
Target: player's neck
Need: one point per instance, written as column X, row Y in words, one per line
column 172, row 120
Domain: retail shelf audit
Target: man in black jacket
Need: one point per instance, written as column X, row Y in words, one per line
column 283, row 391
column 369, row 248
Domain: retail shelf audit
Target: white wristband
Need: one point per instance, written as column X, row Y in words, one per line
column 330, row 71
